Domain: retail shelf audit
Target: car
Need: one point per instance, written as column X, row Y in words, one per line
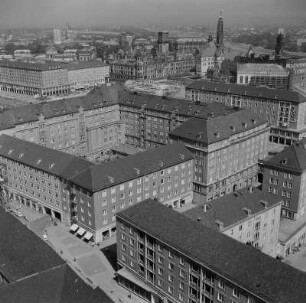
column 45, row 237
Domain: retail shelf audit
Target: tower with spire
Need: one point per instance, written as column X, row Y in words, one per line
column 219, row 37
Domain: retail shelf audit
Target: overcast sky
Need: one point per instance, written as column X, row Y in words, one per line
column 144, row 12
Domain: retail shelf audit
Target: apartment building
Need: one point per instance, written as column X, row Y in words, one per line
column 164, row 174
column 87, row 126
column 285, row 110
column 87, row 74
column 263, row 74
column 163, row 256
column 226, row 151
column 33, row 175
column 29, row 80
column 149, row 118
column 149, row 68
column 248, row 216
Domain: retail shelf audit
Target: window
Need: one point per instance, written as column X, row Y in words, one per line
column 122, row 187
column 182, row 273
column 103, row 193
column 181, row 298
column 170, row 278
column 220, row 297
column 235, row 293
column 160, row 260
column 170, row 289
column 182, row 262
column 171, row 266
column 170, row 255
column 221, row 284
column 160, row 271
column 181, row 285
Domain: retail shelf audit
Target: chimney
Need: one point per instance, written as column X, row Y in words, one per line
column 219, row 224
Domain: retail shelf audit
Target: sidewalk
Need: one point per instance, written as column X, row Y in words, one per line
column 89, row 262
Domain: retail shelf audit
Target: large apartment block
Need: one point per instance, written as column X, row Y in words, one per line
column 33, row 175
column 73, row 189
column 164, row 174
column 32, row 80
column 164, row 256
column 86, row 126
column 285, row 110
column 249, row 216
column 226, row 150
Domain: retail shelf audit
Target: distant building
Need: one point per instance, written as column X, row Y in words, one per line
column 208, row 60
column 285, row 110
column 163, row 256
column 297, row 69
column 226, row 149
column 249, row 216
column 87, row 74
column 22, row 54
column 57, row 36
column 265, row 74
column 30, row 80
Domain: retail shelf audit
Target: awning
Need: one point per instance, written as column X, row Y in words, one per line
column 88, row 235
column 74, row 227
column 81, row 231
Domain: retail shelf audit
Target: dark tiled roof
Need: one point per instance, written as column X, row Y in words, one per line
column 30, row 113
column 57, row 285
column 40, row 157
column 22, row 253
column 260, row 274
column 217, row 129
column 292, row 158
column 108, row 174
column 257, row 92
column 31, row 66
column 170, row 105
column 230, row 208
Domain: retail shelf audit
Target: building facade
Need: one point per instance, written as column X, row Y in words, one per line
column 163, row 256
column 29, row 80
column 164, row 174
column 86, row 126
column 33, row 176
column 248, row 216
column 88, row 74
column 285, row 110
column 226, row 150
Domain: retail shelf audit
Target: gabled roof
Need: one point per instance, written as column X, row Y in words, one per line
column 217, row 129
column 57, row 285
column 256, row 92
column 231, row 209
column 108, row 174
column 260, row 274
column 43, row 158
column 22, row 253
column 292, row 158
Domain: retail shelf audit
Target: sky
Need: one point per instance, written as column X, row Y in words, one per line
column 15, row 13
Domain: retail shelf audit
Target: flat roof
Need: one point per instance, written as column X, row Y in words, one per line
column 288, row 228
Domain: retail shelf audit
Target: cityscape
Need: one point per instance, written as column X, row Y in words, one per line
column 153, row 151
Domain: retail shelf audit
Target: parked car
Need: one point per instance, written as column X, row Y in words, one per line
column 18, row 214
column 45, row 237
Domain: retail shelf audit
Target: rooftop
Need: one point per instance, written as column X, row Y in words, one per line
column 43, row 158
column 232, row 208
column 264, row 69
column 265, row 277
column 292, row 158
column 84, row 64
column 213, row 130
column 31, row 66
column 108, row 174
column 35, row 272
column 289, row 228
column 256, row 92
